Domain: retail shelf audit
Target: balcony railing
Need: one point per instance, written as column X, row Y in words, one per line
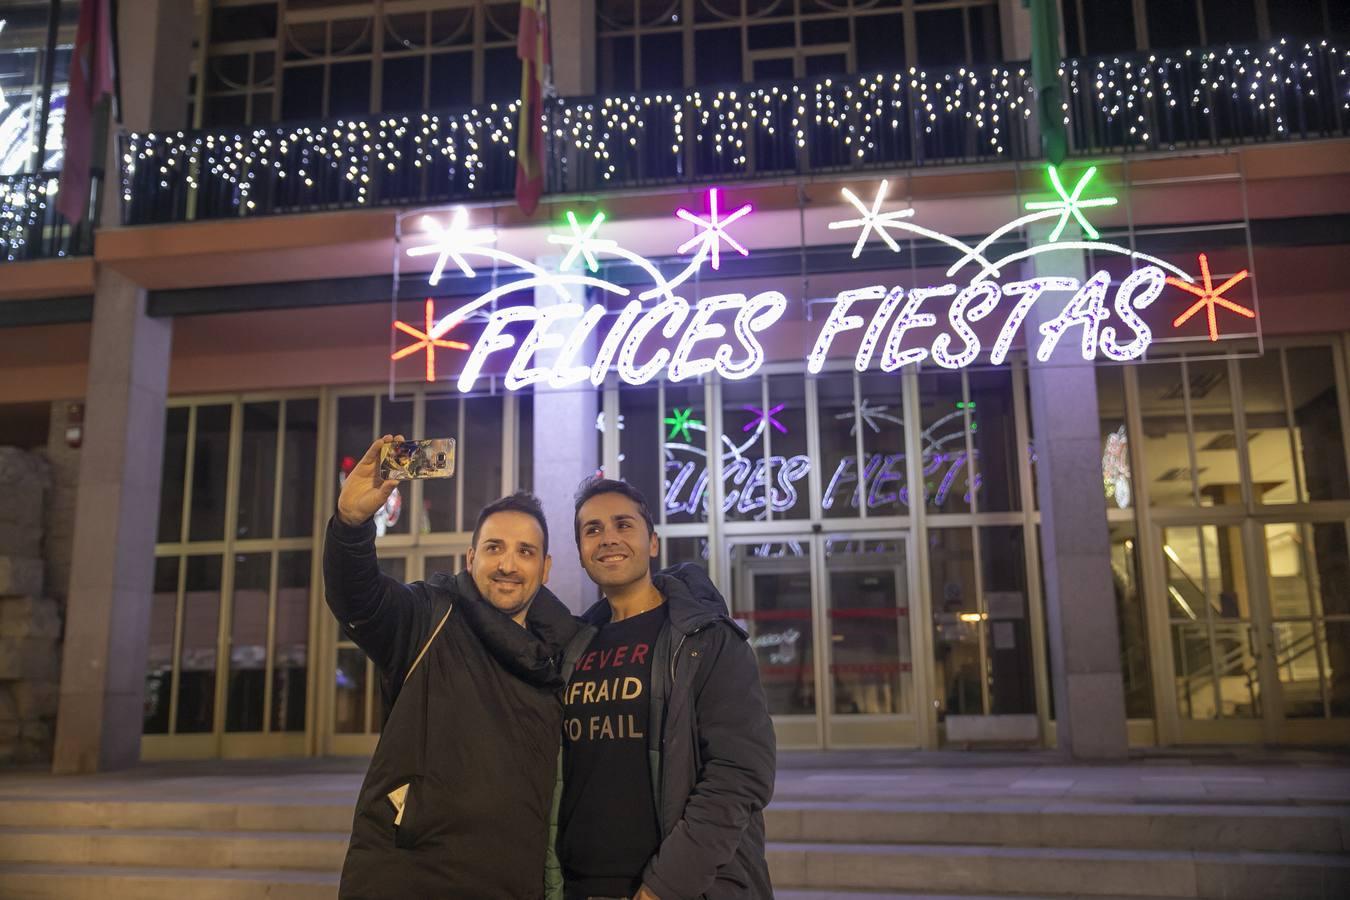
column 30, row 226
column 1190, row 98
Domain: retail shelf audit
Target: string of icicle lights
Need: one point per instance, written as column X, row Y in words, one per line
column 23, row 207
column 1144, row 101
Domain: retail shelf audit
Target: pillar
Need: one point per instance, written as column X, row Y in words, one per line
column 572, row 34
column 117, row 506
column 1080, row 607
column 566, row 451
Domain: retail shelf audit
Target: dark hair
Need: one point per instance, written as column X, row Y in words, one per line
column 520, row 501
column 596, row 485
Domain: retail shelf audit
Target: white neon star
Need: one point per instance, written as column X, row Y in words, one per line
column 714, row 229
column 582, row 242
column 869, row 414
column 873, row 219
column 452, row 243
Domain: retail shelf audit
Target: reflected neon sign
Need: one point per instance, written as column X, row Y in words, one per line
column 658, row 334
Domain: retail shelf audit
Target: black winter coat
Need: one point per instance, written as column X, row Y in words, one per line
column 714, row 757
column 474, row 733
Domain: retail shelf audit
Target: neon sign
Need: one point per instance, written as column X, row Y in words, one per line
column 659, row 334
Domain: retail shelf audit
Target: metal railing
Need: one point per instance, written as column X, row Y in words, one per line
column 1147, row 101
column 30, row 226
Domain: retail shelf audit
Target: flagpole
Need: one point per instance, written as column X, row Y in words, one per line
column 38, row 159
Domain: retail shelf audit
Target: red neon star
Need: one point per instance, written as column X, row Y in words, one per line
column 425, row 340
column 1210, row 296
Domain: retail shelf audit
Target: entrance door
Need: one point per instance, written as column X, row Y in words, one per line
column 828, row 617
column 1260, row 631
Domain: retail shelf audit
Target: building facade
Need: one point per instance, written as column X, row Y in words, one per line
column 1096, row 499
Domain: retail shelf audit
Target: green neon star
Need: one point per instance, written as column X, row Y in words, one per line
column 1069, row 204
column 582, row 242
column 679, row 421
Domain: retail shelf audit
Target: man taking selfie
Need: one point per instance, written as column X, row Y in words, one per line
column 457, row 799
column 669, row 750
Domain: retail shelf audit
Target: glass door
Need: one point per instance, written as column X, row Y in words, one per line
column 828, row 618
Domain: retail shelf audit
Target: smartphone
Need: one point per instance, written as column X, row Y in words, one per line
column 430, row 458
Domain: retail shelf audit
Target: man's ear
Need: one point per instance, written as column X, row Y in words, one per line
column 654, row 548
column 468, row 559
column 548, row 565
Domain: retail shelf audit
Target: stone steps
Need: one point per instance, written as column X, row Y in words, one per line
column 37, row 881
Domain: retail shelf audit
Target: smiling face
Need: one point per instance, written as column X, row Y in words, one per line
column 615, row 544
column 508, row 563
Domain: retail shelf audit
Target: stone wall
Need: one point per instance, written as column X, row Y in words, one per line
column 30, row 619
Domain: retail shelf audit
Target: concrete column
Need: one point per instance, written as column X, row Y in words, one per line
column 1080, row 607
column 566, row 450
column 1014, row 23
column 117, row 507
column 572, row 30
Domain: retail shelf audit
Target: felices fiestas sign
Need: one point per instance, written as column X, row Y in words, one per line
column 657, row 334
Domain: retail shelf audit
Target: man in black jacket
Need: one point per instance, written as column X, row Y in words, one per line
column 669, row 752
column 457, row 799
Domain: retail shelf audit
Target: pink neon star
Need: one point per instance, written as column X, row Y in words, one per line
column 764, row 416
column 714, row 229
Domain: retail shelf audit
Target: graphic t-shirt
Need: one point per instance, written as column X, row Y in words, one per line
column 608, row 816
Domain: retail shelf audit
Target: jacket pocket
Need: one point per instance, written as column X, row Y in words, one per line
column 403, row 807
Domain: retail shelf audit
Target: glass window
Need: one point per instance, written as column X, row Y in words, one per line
column 525, row 445
column 1117, row 477
column 883, row 436
column 941, row 37
column 302, row 454
column 1316, row 412
column 956, row 622
column 248, row 642
column 197, row 659
column 257, row 470
column 640, row 434
column 686, row 550
column 1172, row 24
column 945, row 420
column 210, row 464
column 174, row 471
column 772, row 594
column 993, row 434
column 1012, row 678
column 1218, row 475
column 685, row 442
column 1165, row 443
column 439, row 494
column 839, row 422
column 1134, row 643
column 290, row 648
column 396, row 417
column 744, row 448
column 159, row 660
column 788, row 463
column 480, row 455
column 870, row 663
column 349, row 699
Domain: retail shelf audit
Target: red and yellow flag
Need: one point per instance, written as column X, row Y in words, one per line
column 532, row 48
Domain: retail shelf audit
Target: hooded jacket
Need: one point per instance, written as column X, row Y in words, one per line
column 470, row 746
column 713, row 758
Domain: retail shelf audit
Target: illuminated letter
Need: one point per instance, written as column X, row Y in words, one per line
column 520, row 375
column 564, row 373
column 612, row 339
column 761, row 312
column 1031, row 291
column 1152, row 280
column 956, row 314
column 674, row 308
column 1086, row 308
column 873, row 334
column 702, row 328
column 910, row 317
column 492, row 340
column 793, row 469
column 838, row 322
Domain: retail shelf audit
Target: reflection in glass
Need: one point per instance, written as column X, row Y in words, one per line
column 1165, row 447
column 687, row 550
column 1317, row 422
column 396, row 417
column 1213, row 432
column 257, row 470
column 956, row 622
column 1117, row 477
column 480, row 455
column 438, row 494
column 838, row 446
column 993, row 433
column 197, row 659
column 159, row 659
column 1134, row 655
column 772, row 596
column 870, row 663
column 248, row 642
column 684, row 436
column 1269, row 449
column 640, row 434
column 349, row 700
column 944, row 418
column 290, row 649
column 784, row 423
column 883, row 437
column 210, row 463
column 747, row 470
column 1007, row 627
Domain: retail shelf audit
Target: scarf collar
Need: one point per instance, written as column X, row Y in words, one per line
column 531, row 653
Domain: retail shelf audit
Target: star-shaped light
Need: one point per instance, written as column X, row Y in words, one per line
column 714, row 229
column 872, row 219
column 1071, row 204
column 1210, row 297
column 582, row 242
column 452, row 243
column 764, row 416
column 426, row 341
column 679, row 421
column 869, row 415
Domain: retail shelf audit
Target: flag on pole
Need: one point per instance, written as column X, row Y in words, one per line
column 1045, row 57
column 91, row 79
column 532, row 48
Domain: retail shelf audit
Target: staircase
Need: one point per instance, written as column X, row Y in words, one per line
column 241, row 847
